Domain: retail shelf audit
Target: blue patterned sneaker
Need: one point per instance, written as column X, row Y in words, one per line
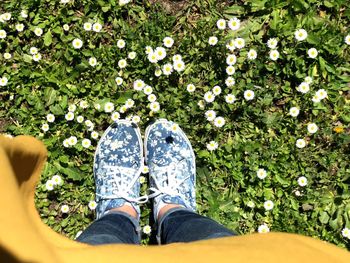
column 117, row 166
column 172, row 166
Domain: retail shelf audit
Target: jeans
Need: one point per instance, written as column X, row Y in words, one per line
column 177, row 225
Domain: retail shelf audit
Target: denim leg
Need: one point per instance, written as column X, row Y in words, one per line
column 183, row 225
column 113, row 228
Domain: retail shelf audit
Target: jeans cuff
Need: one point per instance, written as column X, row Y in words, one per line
column 170, row 211
column 133, row 220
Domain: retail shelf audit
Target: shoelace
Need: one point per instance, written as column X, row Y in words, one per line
column 173, row 184
column 124, row 191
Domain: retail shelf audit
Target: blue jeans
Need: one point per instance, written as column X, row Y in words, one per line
column 177, row 225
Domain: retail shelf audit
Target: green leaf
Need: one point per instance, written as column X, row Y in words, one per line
column 324, row 217
column 48, row 38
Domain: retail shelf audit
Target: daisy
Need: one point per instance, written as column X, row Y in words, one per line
column 213, row 41
column 50, row 117
column 57, row 180
column 152, row 98
column 2, row 34
column 216, row 90
column 33, row 50
column 94, row 135
column 252, row 54
column 158, row 72
column 316, row 98
column 129, row 103
column 77, row 43
column 212, row 145
column 239, row 43
column 312, row 128
column 300, row 143
column 45, row 127
column 210, row 115
column 132, row 55
column 37, row 57
column 49, row 185
column 87, row 26
column 147, row 90
column 64, row 209
column 167, row 69
column 347, row 39
column 72, row 107
column 83, row 104
column 219, row 122
column 274, row 55
column 179, row 66
column 136, row 119
column 201, row 104
column 65, row 27
column 300, row 34
column 294, row 111
column 322, row 94
column 148, row 50
column 139, row 84
column 142, row 179
column 191, row 88
column 88, row 123
column 230, row 81
column 177, row 58
column 38, row 31
column 308, row 80
column 119, row 81
column 312, row 52
column 86, row 143
column 92, row 61
column 66, row 143
column 6, row 16
column 3, row 81
column 97, row 27
column 302, row 181
column 19, row 27
column 263, row 229
column 346, row 232
column 230, row 70
column 231, row 45
column 160, row 53
column 154, row 106
column 24, row 14
column 109, row 107
column 121, row 43
column 230, row 98
column 69, row 116
column 123, row 2
column 115, row 116
column 272, row 43
column 261, row 173
column 145, row 169
column 7, row 56
column 152, row 57
column 92, row 205
column 72, row 140
column 303, row 87
column 268, row 205
column 168, row 42
column 234, row 23
column 231, row 59
column 146, row 229
column 209, row 97
column 221, row 24
column 249, row 95
column 122, row 63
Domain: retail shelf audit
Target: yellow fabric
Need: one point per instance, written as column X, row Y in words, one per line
column 24, row 238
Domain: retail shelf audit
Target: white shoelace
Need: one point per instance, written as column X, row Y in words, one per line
column 172, row 186
column 124, row 190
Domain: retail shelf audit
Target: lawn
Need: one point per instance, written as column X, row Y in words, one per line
column 260, row 87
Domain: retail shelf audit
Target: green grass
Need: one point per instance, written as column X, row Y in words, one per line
column 258, row 133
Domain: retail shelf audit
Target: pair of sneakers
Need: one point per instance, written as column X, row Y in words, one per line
column 121, row 155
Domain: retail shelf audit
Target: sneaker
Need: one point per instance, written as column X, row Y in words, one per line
column 117, row 166
column 172, row 168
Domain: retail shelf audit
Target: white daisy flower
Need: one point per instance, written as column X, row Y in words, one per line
column 221, row 24
column 80, row 119
column 251, row 204
column 230, row 70
column 33, row 50
column 274, row 55
column 92, row 61
column 24, row 13
column 147, row 90
column 3, row 34
column 272, row 43
column 160, row 53
column 148, row 50
column 92, row 205
column 145, row 169
column 83, row 104
column 152, row 57
column 37, row 57
column 212, row 145
column 252, row 54
column 7, row 56
column 154, row 106
column 216, row 90
column 97, row 106
column 147, row 229
column 72, row 140
column 300, row 34
column 87, row 26
column 230, row 81
column 302, row 181
column 119, row 81
column 263, row 229
column 132, row 55
column 139, row 84
column 239, row 43
column 57, row 180
column 109, row 107
column 77, row 43
column 65, row 27
column 94, row 135
column 129, row 103
column 201, row 104
column 312, row 52
column 69, row 116
column 231, row 59
column 124, row 2
column 97, row 27
column 122, row 63
column 65, row 1
column 231, row 45
column 249, row 94
column 152, row 98
column 234, row 23
column 86, row 143
column 312, row 128
column 50, row 117
column 65, row 209
column 168, row 42
column 308, row 80
column 268, row 205
column 210, row 115
column 136, row 119
column 167, row 69
column 142, row 179
column 213, row 41
column 316, row 98
column 38, row 31
column 66, row 143
column 3, row 81
column 6, row 16
column 300, row 143
column 303, row 87
column 191, row 87
column 230, row 98
column 322, row 94
column 19, row 27
column 177, row 58
column 209, row 97
column 346, row 232
column 294, row 111
column 72, row 107
column 115, row 116
column 45, row 127
column 347, row 39
column 261, row 173
column 179, row 66
column 219, row 122
column 158, row 72
column 49, row 185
